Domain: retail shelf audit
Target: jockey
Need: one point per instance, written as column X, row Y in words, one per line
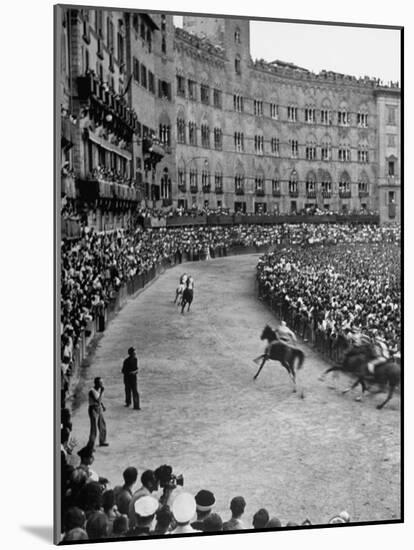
column 190, row 282
column 183, row 279
column 285, row 335
column 382, row 354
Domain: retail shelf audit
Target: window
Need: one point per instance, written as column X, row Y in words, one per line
column 218, row 138
column 239, row 141
column 311, row 186
column 391, row 197
column 237, row 36
column 99, row 22
column 217, row 98
column 344, row 186
column 205, row 179
column 143, row 30
column 86, row 27
column 276, row 187
column 344, row 118
column 293, row 183
column 180, row 130
column 205, row 136
column 135, row 22
column 391, row 168
column 192, row 91
column 143, row 75
column 163, row 22
column 326, row 151
column 274, row 145
column 326, row 116
column 164, row 89
column 193, row 180
column 86, row 59
column 192, row 133
column 135, row 69
column 362, row 120
column 259, row 184
column 109, row 33
column 326, row 185
column 205, row 94
column 292, row 114
column 258, row 145
column 165, row 185
column 180, row 86
column 362, row 188
column 344, row 153
column 181, row 177
column 391, row 140
column 149, row 40
column 274, row 111
column 238, row 103
column 120, row 50
column 258, row 107
column 165, row 134
column 237, row 64
column 218, row 182
column 151, row 82
column 362, row 154
column 239, row 184
column 310, row 152
column 163, row 45
column 391, row 116
column 294, row 148
column 310, row 115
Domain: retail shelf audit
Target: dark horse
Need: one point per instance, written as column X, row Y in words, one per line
column 187, row 298
column 278, row 351
column 356, row 362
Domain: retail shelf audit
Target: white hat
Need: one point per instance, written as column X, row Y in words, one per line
column 184, row 507
column 345, row 516
column 146, row 506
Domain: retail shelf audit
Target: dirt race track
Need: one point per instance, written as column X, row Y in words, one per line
column 203, row 413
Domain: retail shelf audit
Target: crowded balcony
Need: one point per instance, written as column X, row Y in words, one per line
column 219, row 190
column 276, row 193
column 239, row 191
column 193, row 188
column 345, row 194
column 206, row 188
column 260, row 193
column 103, row 100
column 311, row 194
column 106, row 183
column 363, row 194
column 182, row 187
column 326, row 194
column 293, row 193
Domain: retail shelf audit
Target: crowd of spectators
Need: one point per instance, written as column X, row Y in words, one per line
column 93, row 510
column 339, row 284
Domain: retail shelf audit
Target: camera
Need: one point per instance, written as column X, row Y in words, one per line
column 166, row 478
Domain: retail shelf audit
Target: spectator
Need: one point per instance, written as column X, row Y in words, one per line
column 97, row 526
column 109, row 508
column 183, row 510
column 204, row 504
column 164, row 518
column 74, row 517
column 123, row 495
column 120, row 527
column 144, row 508
column 149, row 485
column 212, row 523
column 273, row 523
column 75, row 534
column 237, row 507
column 260, row 519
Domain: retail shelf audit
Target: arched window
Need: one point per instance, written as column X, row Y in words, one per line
column 311, row 185
column 326, row 112
column 165, row 185
column 237, row 64
column 181, row 134
column 362, row 116
column 237, row 36
column 181, row 179
column 310, row 148
column 326, row 148
column 363, row 185
column 205, row 178
column 239, row 180
column 293, row 184
column 276, row 191
column 218, row 179
column 193, row 178
column 344, row 185
column 326, row 184
column 259, row 182
column 363, row 151
column 165, row 130
column 344, row 115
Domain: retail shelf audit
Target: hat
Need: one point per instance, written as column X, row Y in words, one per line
column 146, row 506
column 184, row 507
column 345, row 516
column 337, row 519
column 131, row 350
column 86, row 452
column 205, row 500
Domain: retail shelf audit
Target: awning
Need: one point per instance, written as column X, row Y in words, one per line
column 108, row 146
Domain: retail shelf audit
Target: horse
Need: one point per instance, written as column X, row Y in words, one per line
column 179, row 292
column 187, row 298
column 356, row 362
column 278, row 351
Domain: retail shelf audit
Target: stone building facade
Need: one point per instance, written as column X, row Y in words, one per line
column 201, row 124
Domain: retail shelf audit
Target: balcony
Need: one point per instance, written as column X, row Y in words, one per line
column 276, row 193
column 182, row 187
column 260, row 193
column 363, row 194
column 207, row 188
column 293, row 193
column 311, row 194
column 345, row 194
column 239, row 191
column 218, row 190
column 392, row 180
column 193, row 188
column 68, row 187
column 327, row 194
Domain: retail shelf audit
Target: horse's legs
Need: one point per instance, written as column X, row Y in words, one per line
column 354, row 385
column 390, row 394
column 291, row 372
column 323, row 375
column 182, row 307
column 260, row 368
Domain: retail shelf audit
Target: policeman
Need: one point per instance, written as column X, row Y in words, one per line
column 130, row 372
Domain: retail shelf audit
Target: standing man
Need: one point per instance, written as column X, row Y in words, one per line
column 130, row 372
column 95, row 411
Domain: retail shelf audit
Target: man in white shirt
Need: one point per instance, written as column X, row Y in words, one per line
column 95, row 411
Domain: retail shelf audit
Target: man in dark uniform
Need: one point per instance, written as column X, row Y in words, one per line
column 130, row 372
